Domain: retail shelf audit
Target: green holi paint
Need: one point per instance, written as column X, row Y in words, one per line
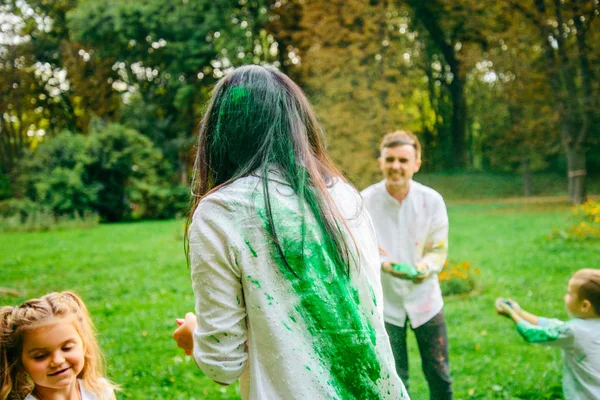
column 237, row 93
column 373, row 296
column 251, row 249
column 330, row 307
column 237, row 298
column 257, row 283
column 215, row 338
column 234, row 97
column 287, row 327
column 407, row 270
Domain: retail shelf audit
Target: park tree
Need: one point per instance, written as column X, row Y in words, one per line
column 48, row 82
column 565, row 34
column 454, row 32
column 167, row 56
column 513, row 121
column 357, row 62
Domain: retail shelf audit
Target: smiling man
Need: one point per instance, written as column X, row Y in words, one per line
column 411, row 224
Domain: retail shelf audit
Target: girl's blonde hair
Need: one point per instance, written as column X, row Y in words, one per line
column 32, row 314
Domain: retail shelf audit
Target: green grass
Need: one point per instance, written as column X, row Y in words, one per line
column 486, row 185
column 135, row 281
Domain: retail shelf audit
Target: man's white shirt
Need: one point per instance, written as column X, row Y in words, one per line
column 413, row 230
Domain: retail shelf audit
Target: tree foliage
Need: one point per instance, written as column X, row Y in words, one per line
column 526, row 72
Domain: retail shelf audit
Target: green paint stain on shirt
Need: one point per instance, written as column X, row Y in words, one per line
column 215, row 338
column 257, row 283
column 330, row 306
column 373, row 296
column 251, row 249
column 287, row 327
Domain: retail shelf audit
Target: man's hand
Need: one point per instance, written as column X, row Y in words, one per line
column 388, row 266
column 183, row 335
column 423, row 272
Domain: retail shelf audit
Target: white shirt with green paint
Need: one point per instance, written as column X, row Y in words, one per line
column 413, row 230
column 579, row 340
column 318, row 337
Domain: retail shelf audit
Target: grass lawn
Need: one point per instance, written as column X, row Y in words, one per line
column 134, row 279
column 473, row 185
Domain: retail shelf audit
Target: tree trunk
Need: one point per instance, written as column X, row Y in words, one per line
column 576, row 173
column 183, row 170
column 431, row 21
column 458, row 158
column 527, row 182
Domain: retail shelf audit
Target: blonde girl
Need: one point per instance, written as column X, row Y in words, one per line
column 48, row 350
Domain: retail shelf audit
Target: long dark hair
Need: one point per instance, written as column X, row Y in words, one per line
column 257, row 119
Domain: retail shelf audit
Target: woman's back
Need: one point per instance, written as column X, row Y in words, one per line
column 312, row 331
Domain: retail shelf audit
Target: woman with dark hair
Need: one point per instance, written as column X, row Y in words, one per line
column 284, row 259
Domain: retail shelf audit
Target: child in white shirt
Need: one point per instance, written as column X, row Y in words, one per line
column 579, row 337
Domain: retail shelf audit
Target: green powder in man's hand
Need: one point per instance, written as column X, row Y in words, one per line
column 407, row 270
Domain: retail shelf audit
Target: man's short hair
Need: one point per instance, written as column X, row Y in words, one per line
column 589, row 289
column 400, row 138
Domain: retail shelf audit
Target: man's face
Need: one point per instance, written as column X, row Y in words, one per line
column 398, row 165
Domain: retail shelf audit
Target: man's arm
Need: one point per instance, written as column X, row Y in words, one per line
column 435, row 248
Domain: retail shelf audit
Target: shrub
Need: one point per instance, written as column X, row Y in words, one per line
column 23, row 215
column 57, row 176
column 153, row 201
column 127, row 167
column 458, row 278
column 115, row 172
column 586, row 228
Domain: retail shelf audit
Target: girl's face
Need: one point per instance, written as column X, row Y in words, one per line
column 53, row 355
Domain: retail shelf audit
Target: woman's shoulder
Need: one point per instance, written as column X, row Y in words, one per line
column 229, row 198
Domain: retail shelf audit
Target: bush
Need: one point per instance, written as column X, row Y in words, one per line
column 128, row 168
column 23, row 215
column 115, row 172
column 21, row 208
column 458, row 279
column 150, row 201
column 57, row 176
column 586, row 228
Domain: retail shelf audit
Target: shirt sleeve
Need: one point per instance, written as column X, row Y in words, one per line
column 436, row 244
column 551, row 332
column 221, row 334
